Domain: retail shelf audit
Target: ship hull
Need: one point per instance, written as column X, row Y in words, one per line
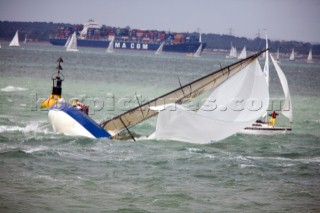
column 183, row 48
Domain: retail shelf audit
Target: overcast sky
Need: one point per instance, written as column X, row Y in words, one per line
column 283, row 19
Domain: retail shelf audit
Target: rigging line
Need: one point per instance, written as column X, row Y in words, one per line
column 181, row 86
column 139, row 106
column 127, row 129
column 184, row 95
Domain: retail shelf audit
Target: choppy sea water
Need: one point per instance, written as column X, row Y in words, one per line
column 41, row 171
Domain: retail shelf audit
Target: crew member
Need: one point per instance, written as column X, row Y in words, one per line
column 273, row 118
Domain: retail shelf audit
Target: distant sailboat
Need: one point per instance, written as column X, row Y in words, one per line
column 198, row 52
column 160, row 49
column 233, row 52
column 278, row 55
column 309, row 59
column 67, row 42
column 243, row 53
column 72, row 46
column 25, row 39
column 292, row 55
column 15, row 40
column 110, row 47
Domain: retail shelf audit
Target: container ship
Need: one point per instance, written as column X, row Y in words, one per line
column 92, row 34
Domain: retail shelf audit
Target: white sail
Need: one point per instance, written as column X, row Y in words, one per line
column 110, row 47
column 25, row 39
column 309, row 59
column 67, row 42
column 160, row 49
column 292, row 55
column 15, row 40
column 198, row 52
column 266, row 65
column 227, row 110
column 233, row 52
column 72, row 46
column 243, row 53
column 286, row 107
column 182, row 94
column 278, row 55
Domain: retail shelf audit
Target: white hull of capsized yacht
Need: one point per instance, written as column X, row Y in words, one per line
column 63, row 123
column 69, row 120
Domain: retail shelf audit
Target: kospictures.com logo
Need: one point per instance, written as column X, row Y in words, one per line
column 112, row 103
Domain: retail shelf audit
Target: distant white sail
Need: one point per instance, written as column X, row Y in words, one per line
column 25, row 39
column 278, row 55
column 286, row 108
column 292, row 55
column 110, row 47
column 67, row 42
column 243, row 53
column 198, row 52
column 160, row 49
column 15, row 40
column 72, row 46
column 233, row 52
column 309, row 59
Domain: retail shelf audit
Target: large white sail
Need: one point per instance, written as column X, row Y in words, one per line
column 110, row 47
column 286, row 107
column 72, row 46
column 198, row 52
column 160, row 49
column 292, row 55
column 235, row 104
column 243, row 53
column 309, row 59
column 180, row 95
column 15, row 40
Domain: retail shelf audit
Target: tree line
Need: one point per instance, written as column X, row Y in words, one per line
column 41, row 31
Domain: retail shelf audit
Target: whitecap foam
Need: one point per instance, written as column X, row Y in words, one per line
column 194, row 150
column 33, row 126
column 300, row 160
column 13, row 89
column 35, row 149
column 246, row 165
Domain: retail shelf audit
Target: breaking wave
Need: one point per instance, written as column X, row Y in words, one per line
column 13, row 89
